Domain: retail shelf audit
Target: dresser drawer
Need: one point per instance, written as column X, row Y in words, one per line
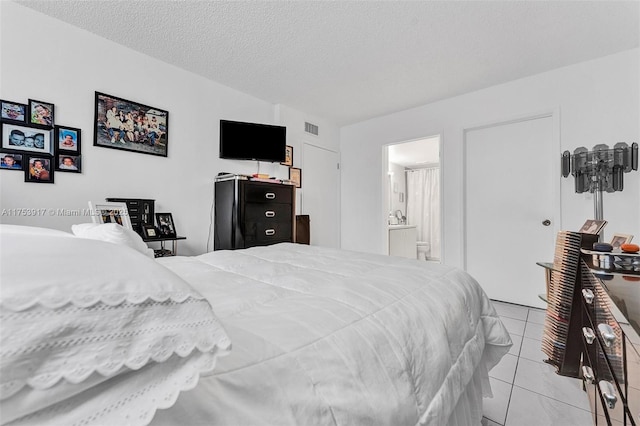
column 264, row 233
column 267, row 193
column 267, row 212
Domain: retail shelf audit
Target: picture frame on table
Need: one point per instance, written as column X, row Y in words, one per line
column 68, row 138
column 68, row 163
column 150, row 231
column 295, row 176
column 592, row 226
column 288, row 156
column 619, row 239
column 13, row 111
column 130, row 126
column 22, row 137
column 165, row 225
column 107, row 212
column 41, row 113
column 11, row 160
column 38, row 169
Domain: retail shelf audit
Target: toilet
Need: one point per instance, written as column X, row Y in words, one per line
column 424, row 250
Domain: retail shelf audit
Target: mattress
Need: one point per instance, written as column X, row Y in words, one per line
column 331, row 337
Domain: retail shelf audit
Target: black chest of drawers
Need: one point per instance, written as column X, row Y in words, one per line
column 252, row 213
column 611, row 345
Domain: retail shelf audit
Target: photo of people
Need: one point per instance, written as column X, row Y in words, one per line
column 12, row 111
column 619, row 239
column 68, row 138
column 41, row 113
column 68, row 163
column 131, row 126
column 26, row 138
column 39, row 170
column 165, row 224
column 592, row 226
column 11, row 161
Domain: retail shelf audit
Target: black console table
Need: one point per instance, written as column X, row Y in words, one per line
column 163, row 252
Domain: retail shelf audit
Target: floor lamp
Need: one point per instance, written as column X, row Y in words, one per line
column 600, row 170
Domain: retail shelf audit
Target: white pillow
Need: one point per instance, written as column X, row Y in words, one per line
column 113, row 233
column 76, row 311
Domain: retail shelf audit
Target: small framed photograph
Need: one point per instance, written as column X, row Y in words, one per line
column 288, row 156
column 41, row 113
column 10, row 160
column 38, row 169
column 592, row 226
column 619, row 239
column 165, row 225
column 150, row 231
column 104, row 212
column 68, row 163
column 295, row 176
column 20, row 137
column 13, row 111
column 68, row 139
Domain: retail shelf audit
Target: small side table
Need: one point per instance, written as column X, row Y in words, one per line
column 162, row 252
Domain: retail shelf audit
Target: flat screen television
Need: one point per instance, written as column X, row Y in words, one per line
column 252, row 141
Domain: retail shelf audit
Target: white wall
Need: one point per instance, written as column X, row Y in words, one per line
column 598, row 103
column 66, row 67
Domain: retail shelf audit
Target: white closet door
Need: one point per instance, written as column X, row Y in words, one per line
column 320, row 194
column 511, row 170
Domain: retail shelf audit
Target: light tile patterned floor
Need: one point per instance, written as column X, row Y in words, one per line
column 527, row 391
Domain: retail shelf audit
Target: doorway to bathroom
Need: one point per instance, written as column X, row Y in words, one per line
column 412, row 201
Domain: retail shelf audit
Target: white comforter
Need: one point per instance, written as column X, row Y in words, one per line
column 330, row 337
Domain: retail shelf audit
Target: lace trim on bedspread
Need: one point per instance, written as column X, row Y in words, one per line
column 40, row 346
column 85, row 300
column 131, row 399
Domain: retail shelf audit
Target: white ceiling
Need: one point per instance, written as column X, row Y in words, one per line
column 348, row 61
column 417, row 153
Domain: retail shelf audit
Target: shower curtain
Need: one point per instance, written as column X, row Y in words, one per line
column 423, row 206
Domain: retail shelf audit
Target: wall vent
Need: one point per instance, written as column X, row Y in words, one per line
column 311, row 128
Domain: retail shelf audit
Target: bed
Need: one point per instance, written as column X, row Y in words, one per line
column 285, row 335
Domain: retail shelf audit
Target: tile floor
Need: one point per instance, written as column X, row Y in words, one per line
column 528, row 392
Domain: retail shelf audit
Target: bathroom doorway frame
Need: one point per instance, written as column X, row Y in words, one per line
column 386, row 190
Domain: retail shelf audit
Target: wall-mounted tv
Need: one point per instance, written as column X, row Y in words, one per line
column 252, row 141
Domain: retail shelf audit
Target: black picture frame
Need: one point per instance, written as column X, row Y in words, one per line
column 68, row 163
column 167, row 229
column 17, row 160
column 13, row 111
column 68, row 139
column 35, row 174
column 41, row 113
column 145, row 129
column 150, row 232
column 25, row 137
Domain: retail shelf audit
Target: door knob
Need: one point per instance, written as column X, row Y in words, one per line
column 546, row 222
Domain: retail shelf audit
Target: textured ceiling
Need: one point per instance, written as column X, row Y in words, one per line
column 350, row 61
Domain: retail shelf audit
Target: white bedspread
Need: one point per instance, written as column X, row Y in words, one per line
column 331, row 337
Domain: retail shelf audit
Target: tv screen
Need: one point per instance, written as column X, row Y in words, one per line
column 252, row 141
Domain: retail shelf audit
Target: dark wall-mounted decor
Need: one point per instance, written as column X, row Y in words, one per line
column 38, row 169
column 68, row 163
column 130, row 126
column 22, row 137
column 10, row 160
column 288, row 156
column 295, row 176
column 41, row 113
column 68, row 139
column 13, row 111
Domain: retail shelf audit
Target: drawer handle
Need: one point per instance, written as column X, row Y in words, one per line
column 270, row 196
column 589, row 335
column 588, row 295
column 609, row 393
column 607, row 334
column 587, row 373
column 270, row 213
column 270, row 232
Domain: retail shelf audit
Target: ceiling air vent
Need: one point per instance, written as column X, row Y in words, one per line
column 311, row 128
